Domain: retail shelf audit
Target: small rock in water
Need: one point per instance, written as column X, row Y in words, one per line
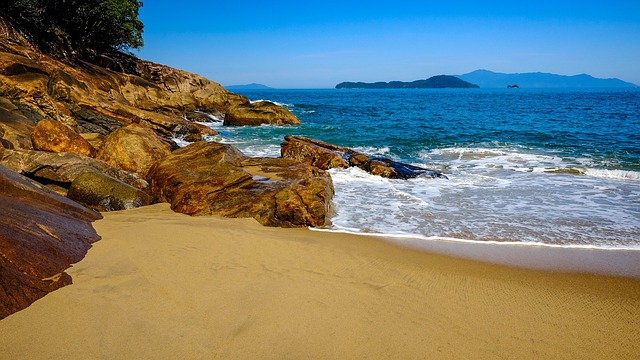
column 327, row 156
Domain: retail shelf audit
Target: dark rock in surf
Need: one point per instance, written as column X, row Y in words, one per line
column 327, row 156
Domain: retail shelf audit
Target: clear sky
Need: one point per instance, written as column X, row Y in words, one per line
column 306, row 44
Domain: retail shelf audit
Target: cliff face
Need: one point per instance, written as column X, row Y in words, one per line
column 94, row 99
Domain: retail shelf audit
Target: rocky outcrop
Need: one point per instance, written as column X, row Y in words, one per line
column 212, row 178
column 133, row 148
column 92, row 98
column 327, row 156
column 62, row 168
column 104, row 193
column 41, row 234
column 15, row 128
column 258, row 113
column 53, row 136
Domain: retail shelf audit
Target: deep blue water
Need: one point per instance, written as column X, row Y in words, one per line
column 541, row 166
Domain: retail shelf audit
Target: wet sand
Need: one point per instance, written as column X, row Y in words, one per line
column 161, row 285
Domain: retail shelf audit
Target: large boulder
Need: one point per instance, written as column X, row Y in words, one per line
column 328, row 156
column 211, row 178
column 320, row 154
column 104, row 193
column 133, row 148
column 41, row 234
column 53, row 136
column 62, row 168
column 258, row 113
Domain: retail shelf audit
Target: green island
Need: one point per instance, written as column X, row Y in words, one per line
column 434, row 82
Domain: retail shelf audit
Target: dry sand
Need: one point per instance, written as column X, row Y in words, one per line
column 167, row 286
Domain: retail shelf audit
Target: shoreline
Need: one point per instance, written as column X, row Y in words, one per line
column 165, row 285
column 584, row 259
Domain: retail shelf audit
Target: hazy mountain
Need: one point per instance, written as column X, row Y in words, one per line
column 490, row 79
column 434, row 82
column 252, row 86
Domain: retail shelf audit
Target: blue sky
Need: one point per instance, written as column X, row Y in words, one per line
column 296, row 44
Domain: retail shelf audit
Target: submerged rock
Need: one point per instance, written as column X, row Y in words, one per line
column 41, row 234
column 258, row 113
column 327, row 156
column 212, row 178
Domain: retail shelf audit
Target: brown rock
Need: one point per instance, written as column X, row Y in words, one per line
column 258, row 113
column 62, row 168
column 327, row 156
column 95, row 139
column 313, row 152
column 211, row 178
column 15, row 128
column 53, row 136
column 41, row 234
column 133, row 148
column 104, row 193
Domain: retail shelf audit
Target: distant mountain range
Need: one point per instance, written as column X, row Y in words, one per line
column 490, row 79
column 252, row 86
column 434, row 82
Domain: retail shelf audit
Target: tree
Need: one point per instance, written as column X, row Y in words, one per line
column 78, row 26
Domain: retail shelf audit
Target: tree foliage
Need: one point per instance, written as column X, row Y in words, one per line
column 78, row 26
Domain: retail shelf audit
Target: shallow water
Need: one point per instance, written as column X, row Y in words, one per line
column 533, row 166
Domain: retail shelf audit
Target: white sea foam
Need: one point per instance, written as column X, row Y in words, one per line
column 261, row 150
column 213, row 125
column 473, row 159
column 285, row 105
column 373, row 151
column 492, row 203
column 180, row 141
column 613, row 174
column 212, row 117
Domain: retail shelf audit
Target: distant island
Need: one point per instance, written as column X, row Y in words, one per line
column 252, row 86
column 538, row 80
column 434, row 82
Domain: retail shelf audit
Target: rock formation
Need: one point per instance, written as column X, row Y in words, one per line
column 62, row 168
column 211, row 178
column 327, row 156
column 258, row 113
column 51, row 135
column 133, row 148
column 41, row 234
column 93, row 99
column 104, row 193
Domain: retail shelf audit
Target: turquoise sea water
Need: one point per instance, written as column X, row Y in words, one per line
column 536, row 166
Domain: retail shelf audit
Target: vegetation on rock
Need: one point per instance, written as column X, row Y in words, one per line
column 77, row 27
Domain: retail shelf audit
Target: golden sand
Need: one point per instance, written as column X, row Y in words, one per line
column 161, row 285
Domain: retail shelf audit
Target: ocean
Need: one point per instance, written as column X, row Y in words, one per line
column 553, row 167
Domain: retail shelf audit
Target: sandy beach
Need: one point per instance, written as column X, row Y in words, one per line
column 161, row 285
